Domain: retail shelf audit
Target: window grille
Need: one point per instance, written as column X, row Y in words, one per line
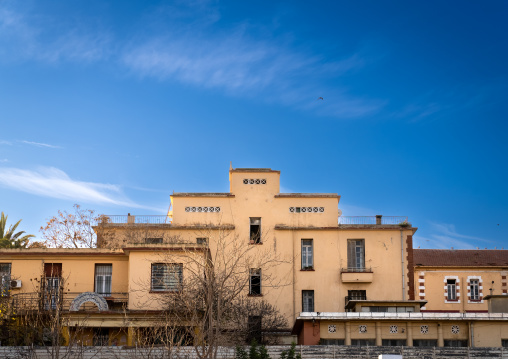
column 166, row 277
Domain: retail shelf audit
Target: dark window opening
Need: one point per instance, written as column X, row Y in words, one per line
column 504, row 343
column 394, row 342
column 157, row 240
column 363, row 342
column 307, row 300
column 255, row 230
column 254, row 329
column 425, row 343
column 331, row 342
column 101, row 337
column 166, row 277
column 203, row 241
column 455, row 343
column 255, row 282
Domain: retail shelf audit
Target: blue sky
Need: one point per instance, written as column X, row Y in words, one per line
column 116, row 104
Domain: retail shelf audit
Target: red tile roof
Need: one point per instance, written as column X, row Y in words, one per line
column 460, row 258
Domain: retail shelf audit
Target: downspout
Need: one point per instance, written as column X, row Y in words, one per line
column 402, row 265
column 472, row 334
column 294, row 275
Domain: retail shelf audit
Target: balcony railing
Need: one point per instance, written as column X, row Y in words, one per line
column 63, row 300
column 397, row 220
column 356, row 270
column 128, row 219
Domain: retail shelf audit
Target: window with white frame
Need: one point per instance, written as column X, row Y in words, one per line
column 255, row 281
column 307, row 254
column 103, row 275
column 451, row 286
column 474, row 288
column 307, row 300
column 166, row 277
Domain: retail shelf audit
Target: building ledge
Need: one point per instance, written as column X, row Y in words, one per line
column 202, row 194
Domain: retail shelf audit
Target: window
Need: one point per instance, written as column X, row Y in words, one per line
column 203, row 241
column 332, row 341
column 5, row 279
column 153, row 240
column 101, row 337
column 307, row 255
column 51, row 285
column 357, row 295
column 255, row 282
column 255, row 230
column 103, row 273
column 474, row 286
column 425, row 343
column 166, row 277
column 307, row 300
column 455, row 343
column 394, row 342
column 254, row 328
column 356, row 255
column 363, row 342
column 451, row 289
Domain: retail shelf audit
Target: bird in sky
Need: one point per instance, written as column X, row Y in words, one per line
column 320, row 98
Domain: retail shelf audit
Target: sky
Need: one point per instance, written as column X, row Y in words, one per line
column 397, row 106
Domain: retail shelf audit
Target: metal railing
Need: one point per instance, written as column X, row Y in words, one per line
column 400, row 220
column 356, row 270
column 350, row 298
column 128, row 219
column 38, row 301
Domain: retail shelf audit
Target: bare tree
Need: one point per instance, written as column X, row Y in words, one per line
column 211, row 290
column 73, row 230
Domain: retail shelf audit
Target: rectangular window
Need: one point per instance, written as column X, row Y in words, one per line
column 425, row 343
column 255, row 230
column 357, row 295
column 103, row 274
column 203, row 241
column 452, row 289
column 157, row 240
column 332, row 341
column 255, row 282
column 356, row 255
column 394, row 342
column 307, row 254
column 307, row 300
column 455, row 343
column 51, row 285
column 474, row 287
column 101, row 337
column 166, row 277
column 363, row 342
column 5, row 279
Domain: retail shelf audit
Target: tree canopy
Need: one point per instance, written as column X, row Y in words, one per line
column 9, row 238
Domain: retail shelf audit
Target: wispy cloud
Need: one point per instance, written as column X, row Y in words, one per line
column 443, row 236
column 4, row 160
column 3, row 142
column 55, row 183
column 39, row 144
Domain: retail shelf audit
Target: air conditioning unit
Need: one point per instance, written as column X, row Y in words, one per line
column 15, row 284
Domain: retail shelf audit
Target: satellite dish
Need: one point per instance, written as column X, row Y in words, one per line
column 340, row 213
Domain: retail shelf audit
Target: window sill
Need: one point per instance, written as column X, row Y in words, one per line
column 453, row 300
column 254, row 295
column 253, row 243
column 307, row 270
column 163, row 291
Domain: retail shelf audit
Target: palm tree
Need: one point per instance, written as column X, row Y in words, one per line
column 9, row 239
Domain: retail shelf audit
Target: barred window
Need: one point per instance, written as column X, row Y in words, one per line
column 166, row 277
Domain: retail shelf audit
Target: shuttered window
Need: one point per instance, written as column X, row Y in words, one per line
column 356, row 255
column 166, row 277
column 103, row 274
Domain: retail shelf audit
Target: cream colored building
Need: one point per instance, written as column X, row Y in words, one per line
column 334, row 279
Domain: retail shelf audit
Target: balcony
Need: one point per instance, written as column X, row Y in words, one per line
column 35, row 301
column 374, row 220
column 356, row 275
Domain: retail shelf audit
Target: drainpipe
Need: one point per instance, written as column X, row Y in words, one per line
column 402, row 264
column 472, row 333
